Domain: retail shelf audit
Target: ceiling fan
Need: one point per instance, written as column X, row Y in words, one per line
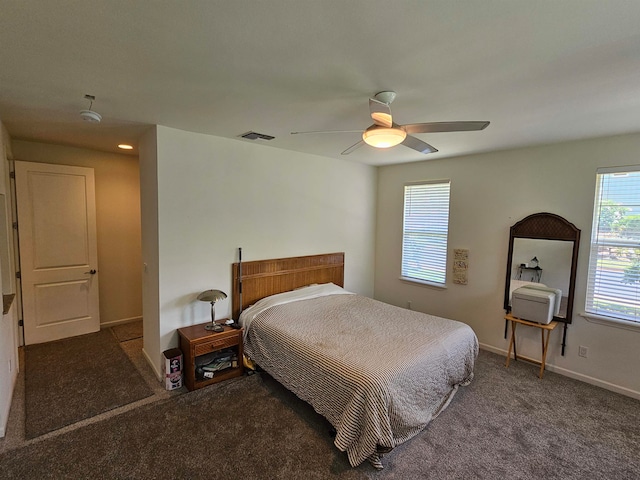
column 385, row 133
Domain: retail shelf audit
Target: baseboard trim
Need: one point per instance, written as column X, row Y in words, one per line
column 152, row 365
column 113, row 323
column 492, row 349
column 575, row 375
column 7, row 408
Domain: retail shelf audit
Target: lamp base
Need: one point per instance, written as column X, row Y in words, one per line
column 214, row 327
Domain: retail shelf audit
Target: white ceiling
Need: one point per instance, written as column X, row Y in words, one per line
column 541, row 71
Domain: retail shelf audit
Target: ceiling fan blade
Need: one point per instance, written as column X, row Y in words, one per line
column 380, row 113
column 327, row 131
column 418, row 145
column 436, row 127
column 353, row 147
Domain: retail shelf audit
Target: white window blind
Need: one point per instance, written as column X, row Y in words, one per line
column 425, row 232
column 613, row 288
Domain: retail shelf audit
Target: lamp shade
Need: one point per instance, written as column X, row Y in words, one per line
column 383, row 137
column 212, row 296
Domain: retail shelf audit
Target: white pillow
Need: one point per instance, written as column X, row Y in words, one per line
column 304, row 293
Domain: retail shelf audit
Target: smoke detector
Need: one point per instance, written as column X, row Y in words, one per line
column 90, row 115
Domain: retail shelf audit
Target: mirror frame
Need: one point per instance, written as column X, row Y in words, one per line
column 546, row 226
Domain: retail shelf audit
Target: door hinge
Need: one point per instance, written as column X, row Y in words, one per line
column 15, row 225
column 18, row 274
column 12, row 174
column 21, row 323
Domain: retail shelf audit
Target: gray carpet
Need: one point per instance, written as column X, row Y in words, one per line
column 506, row 424
column 128, row 331
column 76, row 378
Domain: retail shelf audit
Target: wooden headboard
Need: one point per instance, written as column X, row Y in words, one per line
column 262, row 278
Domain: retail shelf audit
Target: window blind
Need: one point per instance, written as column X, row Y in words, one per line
column 613, row 286
column 425, row 231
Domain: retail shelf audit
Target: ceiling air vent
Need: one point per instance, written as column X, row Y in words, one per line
column 256, row 136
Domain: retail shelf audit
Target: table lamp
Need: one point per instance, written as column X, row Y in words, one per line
column 213, row 296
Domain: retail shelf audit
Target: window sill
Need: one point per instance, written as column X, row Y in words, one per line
column 611, row 322
column 424, row 283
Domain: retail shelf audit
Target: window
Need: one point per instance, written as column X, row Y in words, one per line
column 613, row 288
column 425, row 231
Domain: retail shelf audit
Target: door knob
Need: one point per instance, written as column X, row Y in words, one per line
column 91, row 272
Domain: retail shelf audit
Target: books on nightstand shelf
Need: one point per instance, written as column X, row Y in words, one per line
column 208, row 365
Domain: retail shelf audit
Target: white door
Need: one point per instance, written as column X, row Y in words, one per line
column 58, row 250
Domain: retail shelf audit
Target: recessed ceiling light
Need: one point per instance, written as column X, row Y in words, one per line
column 124, row 146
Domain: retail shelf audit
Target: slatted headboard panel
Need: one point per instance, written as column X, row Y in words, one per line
column 262, row 278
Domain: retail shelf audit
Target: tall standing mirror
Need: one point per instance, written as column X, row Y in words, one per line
column 543, row 249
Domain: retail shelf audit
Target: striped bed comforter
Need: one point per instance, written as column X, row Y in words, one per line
column 378, row 373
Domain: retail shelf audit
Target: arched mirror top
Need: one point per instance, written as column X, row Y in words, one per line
column 548, row 226
column 551, row 243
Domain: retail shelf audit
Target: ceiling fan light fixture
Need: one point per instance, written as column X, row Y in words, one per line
column 383, row 137
column 90, row 116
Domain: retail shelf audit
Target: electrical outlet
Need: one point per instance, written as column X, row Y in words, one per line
column 583, row 351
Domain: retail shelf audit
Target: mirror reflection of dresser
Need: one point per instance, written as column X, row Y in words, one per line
column 552, row 243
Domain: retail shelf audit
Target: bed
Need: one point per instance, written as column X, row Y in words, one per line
column 378, row 373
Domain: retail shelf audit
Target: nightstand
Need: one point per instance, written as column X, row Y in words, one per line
column 196, row 342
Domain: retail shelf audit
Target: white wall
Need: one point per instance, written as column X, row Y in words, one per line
column 8, row 323
column 147, row 146
column 216, row 194
column 118, row 222
column 489, row 193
